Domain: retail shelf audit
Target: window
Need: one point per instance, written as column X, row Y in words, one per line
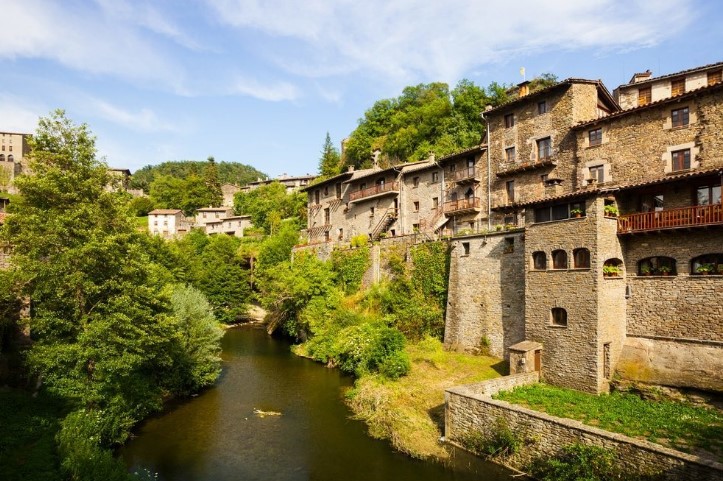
column 415, row 182
column 510, row 154
column 316, row 197
column 595, row 136
column 543, row 178
column 544, row 148
column 707, row 264
column 452, row 167
column 581, row 258
column 10, row 148
column 612, row 268
column 681, row 159
column 715, row 77
column 338, row 191
column 509, row 245
column 416, row 206
column 677, row 87
column 560, row 212
column 2, row 157
column 326, row 190
column 340, row 235
column 362, row 186
column 559, row 259
column 656, row 266
column 542, row 214
column 680, row 117
column 435, row 177
column 371, row 212
column 327, row 216
column 380, row 182
column 465, row 246
column 558, row 316
column 415, row 227
column 708, row 195
column 435, row 202
column 652, row 202
column 597, row 173
column 643, row 96
column 509, row 120
column 539, row 261
column 204, row 215
column 541, row 107
column 510, row 188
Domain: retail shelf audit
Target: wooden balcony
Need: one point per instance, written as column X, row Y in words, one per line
column 682, row 218
column 462, row 206
column 468, row 174
column 375, row 190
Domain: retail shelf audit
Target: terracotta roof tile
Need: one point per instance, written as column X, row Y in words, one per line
column 676, row 74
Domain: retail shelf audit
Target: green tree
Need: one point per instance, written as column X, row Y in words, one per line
column 224, row 279
column 330, row 161
column 212, row 182
column 140, row 206
column 228, row 172
column 266, row 200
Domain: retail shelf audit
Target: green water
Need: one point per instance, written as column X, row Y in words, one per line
column 216, row 436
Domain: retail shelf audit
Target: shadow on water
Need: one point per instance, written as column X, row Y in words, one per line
column 217, row 436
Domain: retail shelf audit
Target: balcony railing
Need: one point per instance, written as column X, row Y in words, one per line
column 694, row 216
column 392, row 187
column 456, row 206
column 466, row 174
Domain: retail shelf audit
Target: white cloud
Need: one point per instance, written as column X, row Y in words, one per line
column 19, row 114
column 145, row 120
column 406, row 39
column 274, row 92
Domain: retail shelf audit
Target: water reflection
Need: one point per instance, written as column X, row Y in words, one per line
column 216, row 436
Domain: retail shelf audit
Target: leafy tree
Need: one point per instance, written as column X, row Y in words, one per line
column 188, row 194
column 167, row 192
column 277, row 248
column 269, row 204
column 228, row 172
column 212, row 182
column 140, row 206
column 330, row 161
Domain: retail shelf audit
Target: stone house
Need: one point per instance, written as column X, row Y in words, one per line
column 168, row 223
column 235, row 225
column 211, row 214
column 14, row 151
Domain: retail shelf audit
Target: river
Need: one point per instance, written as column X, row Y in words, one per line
column 216, row 436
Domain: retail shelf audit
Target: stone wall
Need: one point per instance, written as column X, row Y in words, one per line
column 673, row 362
column 486, row 293
column 413, row 220
column 467, row 411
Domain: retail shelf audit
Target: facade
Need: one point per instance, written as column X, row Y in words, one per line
column 587, row 233
column 235, row 225
column 168, row 223
column 229, row 191
column 14, row 151
column 211, row 214
column 291, row 182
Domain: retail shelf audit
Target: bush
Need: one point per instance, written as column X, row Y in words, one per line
column 395, row 365
column 500, row 443
column 363, row 348
column 140, row 206
column 359, row 241
column 349, row 267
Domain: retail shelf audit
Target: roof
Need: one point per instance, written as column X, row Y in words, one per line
column 164, row 211
column 213, row 209
column 282, row 178
column 234, row 217
column 565, row 83
column 461, row 153
column 343, row 175
column 676, row 74
column 677, row 98
column 362, row 174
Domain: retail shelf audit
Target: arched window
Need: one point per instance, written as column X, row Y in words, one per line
column 558, row 316
column 559, row 259
column 11, row 158
column 2, row 157
column 539, row 261
column 581, row 257
column 707, row 264
column 657, row 266
column 612, row 268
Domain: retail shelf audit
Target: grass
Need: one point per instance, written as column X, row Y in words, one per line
column 410, row 411
column 141, row 223
column 675, row 424
column 27, row 436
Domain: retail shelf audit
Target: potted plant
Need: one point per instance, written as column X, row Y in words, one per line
column 704, row 269
column 498, row 227
column 720, row 269
column 611, row 271
column 645, row 270
column 664, row 270
column 611, row 211
column 576, row 212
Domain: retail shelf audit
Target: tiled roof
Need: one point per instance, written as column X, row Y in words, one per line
column 335, row 178
column 677, row 98
column 362, row 174
column 676, row 74
column 476, row 148
column 546, row 90
column 164, row 211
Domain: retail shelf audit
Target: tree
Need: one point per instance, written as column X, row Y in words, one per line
column 330, row 161
column 269, row 204
column 228, row 172
column 212, row 183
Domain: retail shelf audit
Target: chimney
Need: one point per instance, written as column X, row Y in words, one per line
column 431, row 157
column 375, row 158
column 641, row 77
column 524, row 89
column 350, row 168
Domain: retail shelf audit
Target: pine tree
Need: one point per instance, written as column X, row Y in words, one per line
column 330, row 161
column 212, row 182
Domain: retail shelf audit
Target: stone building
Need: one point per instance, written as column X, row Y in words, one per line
column 14, row 151
column 292, row 183
column 168, row 223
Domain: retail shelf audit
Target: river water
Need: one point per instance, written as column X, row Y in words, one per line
column 217, row 437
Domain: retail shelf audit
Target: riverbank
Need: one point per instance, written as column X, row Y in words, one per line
column 409, row 412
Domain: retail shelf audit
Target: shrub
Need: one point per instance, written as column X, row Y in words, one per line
column 359, row 241
column 395, row 365
column 349, row 267
column 501, row 442
column 363, row 348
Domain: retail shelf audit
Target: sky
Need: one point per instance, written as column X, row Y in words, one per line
column 262, row 82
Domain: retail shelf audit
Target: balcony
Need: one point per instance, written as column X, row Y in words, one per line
column 374, row 191
column 682, row 218
column 468, row 174
column 462, row 206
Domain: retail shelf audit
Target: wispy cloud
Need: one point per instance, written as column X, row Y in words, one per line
column 271, row 91
column 20, row 114
column 408, row 39
column 144, row 120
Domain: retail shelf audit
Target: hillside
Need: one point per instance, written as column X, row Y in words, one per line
column 228, row 172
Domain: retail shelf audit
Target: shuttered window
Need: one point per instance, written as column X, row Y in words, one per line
column 643, row 96
column 677, row 87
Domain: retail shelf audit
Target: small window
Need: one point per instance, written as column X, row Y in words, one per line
column 509, row 245
column 435, row 202
column 338, row 191
column 362, row 186
column 559, row 259
column 708, row 195
column 595, row 136
column 558, row 316
column 644, row 95
column 371, row 212
column 539, row 261
column 542, row 214
column 416, row 206
column 2, row 157
column 715, row 77
column 597, row 173
column 677, row 87
column 582, row 258
column 509, row 120
column 465, row 246
column 435, row 177
column 707, row 264
column 415, row 182
column 510, row 154
column 544, row 148
column 452, row 167
column 657, row 266
column 681, row 159
column 541, row 107
column 326, row 190
column 510, row 188
column 612, row 268
column 680, row 117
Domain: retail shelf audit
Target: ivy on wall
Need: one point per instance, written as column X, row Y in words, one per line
column 349, row 267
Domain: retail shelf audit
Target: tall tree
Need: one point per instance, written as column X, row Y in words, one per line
column 330, row 161
column 212, row 183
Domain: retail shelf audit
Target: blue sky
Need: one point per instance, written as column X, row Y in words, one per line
column 261, row 82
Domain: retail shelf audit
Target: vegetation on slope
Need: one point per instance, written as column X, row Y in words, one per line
column 228, row 172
